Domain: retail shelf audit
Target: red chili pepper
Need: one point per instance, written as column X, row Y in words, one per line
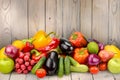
column 53, row 44
column 28, row 47
column 37, row 55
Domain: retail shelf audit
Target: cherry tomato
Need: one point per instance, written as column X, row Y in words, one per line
column 94, row 69
column 102, row 66
column 40, row 73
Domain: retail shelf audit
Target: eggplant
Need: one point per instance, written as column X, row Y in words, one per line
column 66, row 46
column 53, row 55
column 51, row 63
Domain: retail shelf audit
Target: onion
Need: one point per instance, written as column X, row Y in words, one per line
column 11, row 51
column 93, row 59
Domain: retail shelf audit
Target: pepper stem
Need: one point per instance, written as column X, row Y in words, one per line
column 50, row 34
column 34, row 51
column 28, row 40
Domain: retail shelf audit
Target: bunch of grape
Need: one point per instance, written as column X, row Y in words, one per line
column 23, row 63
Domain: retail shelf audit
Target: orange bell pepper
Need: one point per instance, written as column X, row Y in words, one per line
column 81, row 55
column 41, row 39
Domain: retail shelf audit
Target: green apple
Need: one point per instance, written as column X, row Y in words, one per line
column 114, row 65
column 6, row 65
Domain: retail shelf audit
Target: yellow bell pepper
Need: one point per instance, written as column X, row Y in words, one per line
column 114, row 49
column 2, row 53
column 41, row 39
column 18, row 44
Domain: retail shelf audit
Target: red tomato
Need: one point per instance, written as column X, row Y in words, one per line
column 94, row 69
column 40, row 73
column 102, row 66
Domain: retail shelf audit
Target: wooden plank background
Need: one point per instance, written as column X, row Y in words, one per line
column 98, row 19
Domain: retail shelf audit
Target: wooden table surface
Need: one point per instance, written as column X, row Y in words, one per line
column 104, row 75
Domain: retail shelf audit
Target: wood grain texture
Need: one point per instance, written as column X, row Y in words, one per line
column 117, row 76
column 31, row 77
column 51, row 11
column 5, row 27
column 19, row 19
column 15, row 76
column 100, row 20
column 81, row 76
column 4, row 76
column 59, row 18
column 86, row 17
column 66, row 18
column 36, row 16
column 114, row 22
column 74, row 15
column 103, row 75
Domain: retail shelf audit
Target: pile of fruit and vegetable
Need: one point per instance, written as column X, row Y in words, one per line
column 44, row 55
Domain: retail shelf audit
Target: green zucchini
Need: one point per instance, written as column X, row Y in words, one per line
column 38, row 65
column 81, row 68
column 67, row 65
column 74, row 62
column 61, row 67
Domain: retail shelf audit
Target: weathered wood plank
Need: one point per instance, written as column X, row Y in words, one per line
column 4, row 76
column 81, row 76
column 19, row 19
column 51, row 13
column 66, row 18
column 36, row 16
column 15, row 76
column 5, row 27
column 59, row 18
column 86, row 17
column 52, row 77
column 100, row 20
column 114, row 22
column 71, row 17
column 103, row 75
column 74, row 15
column 31, row 77
column 116, row 76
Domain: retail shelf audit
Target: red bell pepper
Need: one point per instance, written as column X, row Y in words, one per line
column 53, row 44
column 78, row 40
column 28, row 47
column 37, row 55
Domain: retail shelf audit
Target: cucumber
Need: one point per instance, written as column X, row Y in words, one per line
column 67, row 65
column 38, row 65
column 81, row 68
column 61, row 67
column 74, row 62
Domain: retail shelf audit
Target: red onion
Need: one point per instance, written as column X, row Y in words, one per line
column 93, row 59
column 11, row 51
